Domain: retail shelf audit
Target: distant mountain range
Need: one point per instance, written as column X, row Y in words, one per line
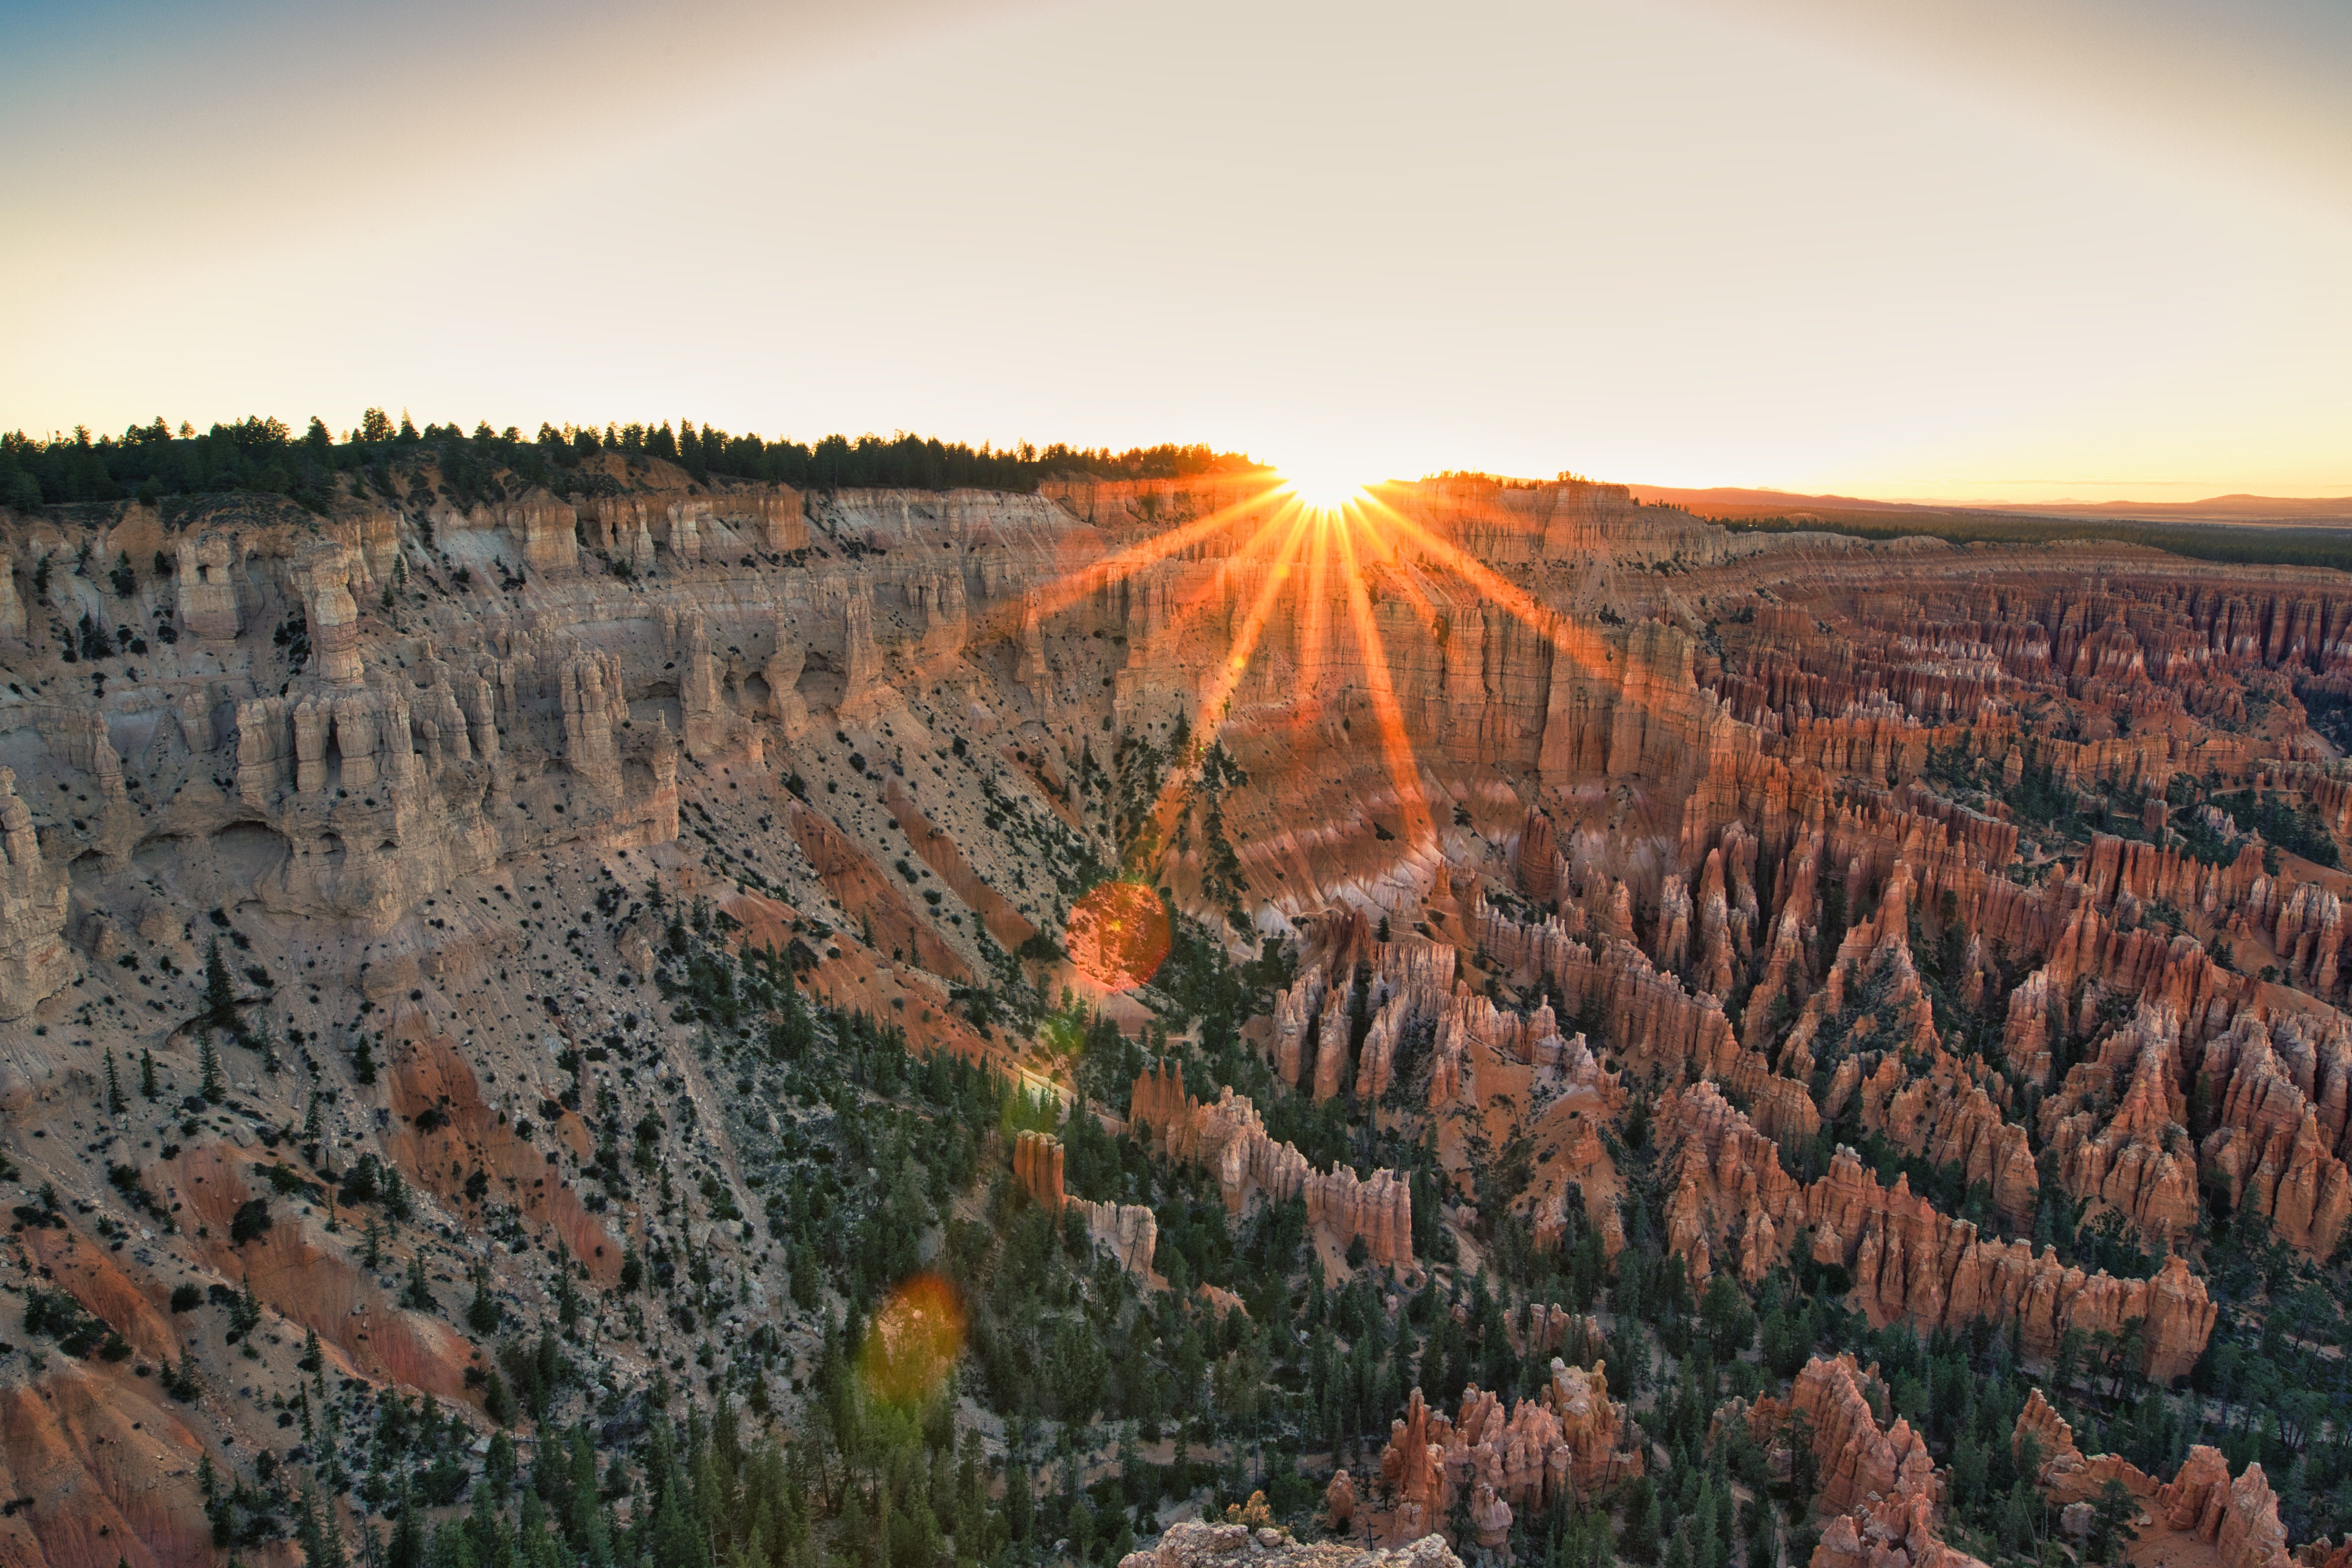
column 2301, row 512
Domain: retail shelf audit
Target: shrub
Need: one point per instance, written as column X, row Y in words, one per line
column 250, row 1222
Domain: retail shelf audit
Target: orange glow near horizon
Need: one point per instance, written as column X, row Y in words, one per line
column 1323, row 486
column 1317, row 562
column 1297, row 560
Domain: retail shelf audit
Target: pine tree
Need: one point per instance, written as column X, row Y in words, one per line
column 363, row 1062
column 375, row 1246
column 209, row 1065
column 147, row 1085
column 1019, row 1498
column 2020, row 1518
column 220, row 992
column 482, row 1313
column 115, row 1103
column 1698, row 1527
column 316, row 1530
column 406, row 1549
column 245, row 1313
column 499, row 1400
column 417, row 1293
column 1640, row 1539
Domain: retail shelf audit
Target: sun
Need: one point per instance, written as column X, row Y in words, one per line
column 1322, row 487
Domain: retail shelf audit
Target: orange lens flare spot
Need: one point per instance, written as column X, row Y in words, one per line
column 1118, row 934
column 914, row 1341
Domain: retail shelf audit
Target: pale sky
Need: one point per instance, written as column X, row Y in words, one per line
column 2016, row 249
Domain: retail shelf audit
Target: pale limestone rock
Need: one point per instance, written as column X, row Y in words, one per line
column 207, row 594
column 34, row 898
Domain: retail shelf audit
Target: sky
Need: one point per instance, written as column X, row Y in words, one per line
column 2007, row 249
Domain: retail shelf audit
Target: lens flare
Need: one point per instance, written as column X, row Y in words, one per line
column 914, row 1341
column 1118, row 934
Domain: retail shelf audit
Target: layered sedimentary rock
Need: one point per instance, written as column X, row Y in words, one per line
column 1405, row 983
column 1729, row 1188
column 1658, row 1022
column 1879, row 1483
column 207, row 589
column 1790, row 804
column 35, row 897
column 2089, row 960
column 1564, row 1444
column 322, row 575
column 1228, row 1137
column 1909, row 1262
column 2238, row 1518
column 1873, row 1015
column 2136, row 1159
column 1859, row 1459
column 2281, row 1088
column 2069, row 1478
column 1129, row 1232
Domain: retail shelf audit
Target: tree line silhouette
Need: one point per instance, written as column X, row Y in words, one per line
column 262, row 455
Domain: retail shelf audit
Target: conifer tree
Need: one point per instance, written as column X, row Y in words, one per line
column 148, row 1088
column 483, row 1312
column 417, row 1293
column 115, row 1104
column 316, row 1532
column 406, row 1548
column 220, row 992
column 208, row 1063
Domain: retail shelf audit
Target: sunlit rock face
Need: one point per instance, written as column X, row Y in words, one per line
column 1555, row 810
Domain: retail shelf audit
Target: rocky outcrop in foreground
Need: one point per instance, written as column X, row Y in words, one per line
column 1193, row 1545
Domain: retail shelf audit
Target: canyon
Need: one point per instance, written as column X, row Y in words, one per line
column 1958, row 929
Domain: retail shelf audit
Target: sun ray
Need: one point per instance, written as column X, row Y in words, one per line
column 1148, row 552
column 1317, row 618
column 1004, row 619
column 1218, row 695
column 1539, row 617
column 1218, row 588
column 1396, row 747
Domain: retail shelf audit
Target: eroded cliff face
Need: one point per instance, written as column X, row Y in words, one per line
column 1570, row 1444
column 1879, row 1487
column 2200, row 1514
column 1841, row 862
